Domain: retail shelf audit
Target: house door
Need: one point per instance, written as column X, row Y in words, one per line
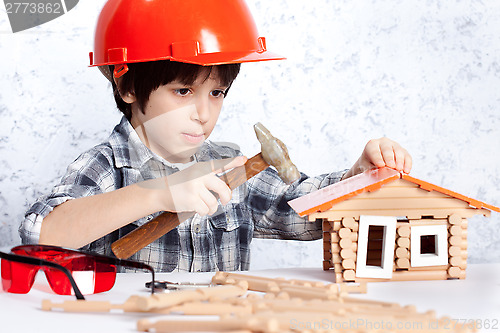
column 376, row 240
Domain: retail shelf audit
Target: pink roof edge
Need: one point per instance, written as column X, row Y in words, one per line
column 368, row 181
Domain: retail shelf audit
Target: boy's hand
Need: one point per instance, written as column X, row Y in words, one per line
column 196, row 188
column 379, row 153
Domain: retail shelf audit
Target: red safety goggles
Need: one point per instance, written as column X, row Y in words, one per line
column 68, row 271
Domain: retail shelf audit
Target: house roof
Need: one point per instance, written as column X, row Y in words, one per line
column 368, row 181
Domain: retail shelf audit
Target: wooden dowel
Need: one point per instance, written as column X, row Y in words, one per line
column 456, row 230
column 348, row 264
column 270, row 325
column 345, row 233
column 345, row 243
column 348, row 222
column 454, row 272
column 403, row 231
column 402, row 252
column 403, row 242
column 403, row 263
column 175, row 298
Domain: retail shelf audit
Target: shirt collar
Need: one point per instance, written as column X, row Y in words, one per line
column 130, row 151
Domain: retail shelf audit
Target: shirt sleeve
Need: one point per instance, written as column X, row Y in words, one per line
column 268, row 198
column 91, row 173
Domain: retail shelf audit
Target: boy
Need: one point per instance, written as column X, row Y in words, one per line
column 171, row 67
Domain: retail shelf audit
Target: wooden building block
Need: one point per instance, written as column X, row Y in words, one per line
column 402, row 252
column 327, row 264
column 455, row 219
column 455, row 230
column 348, row 264
column 355, row 227
column 327, row 255
column 345, row 233
column 349, row 275
column 336, row 258
column 458, row 262
column 429, row 268
column 334, row 237
column 336, row 225
column 403, row 242
column 335, row 248
column 224, row 325
column 348, row 222
column 454, row 251
column 347, row 254
column 403, row 231
column 411, row 275
column 403, row 263
column 327, row 226
column 428, row 222
column 456, row 240
column 345, row 243
column 171, row 299
column 309, row 293
column 454, row 272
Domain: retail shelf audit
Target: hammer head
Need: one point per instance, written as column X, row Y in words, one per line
column 275, row 153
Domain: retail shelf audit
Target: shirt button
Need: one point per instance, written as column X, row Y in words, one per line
column 197, row 229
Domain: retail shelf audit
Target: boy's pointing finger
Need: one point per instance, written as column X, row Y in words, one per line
column 227, row 163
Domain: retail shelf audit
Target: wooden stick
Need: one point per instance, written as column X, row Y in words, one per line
column 402, row 252
column 454, row 272
column 255, row 283
column 345, row 233
column 456, row 230
column 223, row 325
column 348, row 222
column 171, row 299
column 211, row 308
column 411, row 275
column 348, row 264
column 349, row 275
column 403, row 242
column 347, row 254
column 403, row 231
column 85, row 306
column 402, row 263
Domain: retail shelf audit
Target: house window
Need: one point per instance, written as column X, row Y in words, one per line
column 376, row 239
column 429, row 245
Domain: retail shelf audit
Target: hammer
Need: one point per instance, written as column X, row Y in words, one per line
column 273, row 152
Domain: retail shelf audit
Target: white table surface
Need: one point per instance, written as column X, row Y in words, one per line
column 475, row 298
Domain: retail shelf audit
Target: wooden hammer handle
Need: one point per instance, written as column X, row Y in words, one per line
column 167, row 221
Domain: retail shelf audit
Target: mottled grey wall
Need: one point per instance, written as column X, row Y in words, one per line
column 425, row 73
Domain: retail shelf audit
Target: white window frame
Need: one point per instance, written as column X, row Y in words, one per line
column 366, row 271
column 429, row 259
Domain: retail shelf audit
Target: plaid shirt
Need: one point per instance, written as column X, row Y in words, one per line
column 203, row 243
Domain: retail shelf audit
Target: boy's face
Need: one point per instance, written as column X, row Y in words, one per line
column 178, row 118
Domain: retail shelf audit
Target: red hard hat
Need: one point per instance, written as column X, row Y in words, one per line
column 203, row 32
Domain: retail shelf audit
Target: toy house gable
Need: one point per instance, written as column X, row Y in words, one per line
column 385, row 225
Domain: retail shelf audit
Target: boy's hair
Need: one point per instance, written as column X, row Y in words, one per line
column 143, row 78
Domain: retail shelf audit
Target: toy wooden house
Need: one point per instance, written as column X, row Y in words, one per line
column 384, row 225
